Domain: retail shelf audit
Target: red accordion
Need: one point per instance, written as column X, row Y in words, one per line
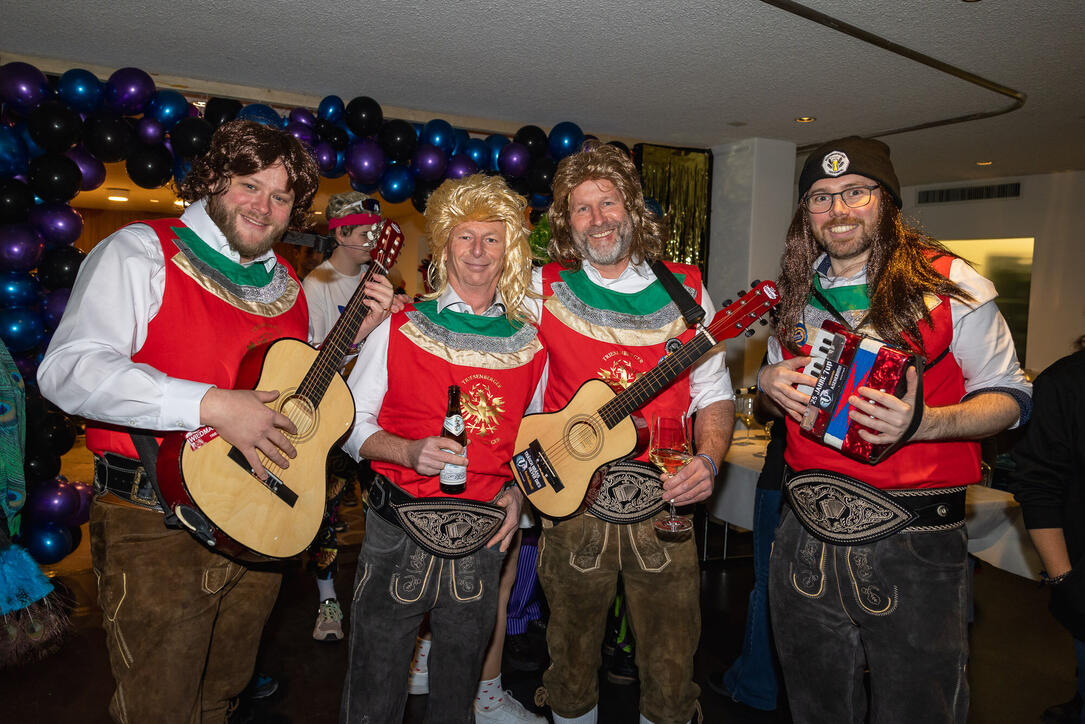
column 843, row 361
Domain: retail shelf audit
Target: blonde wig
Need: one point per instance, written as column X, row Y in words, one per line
column 607, row 163
column 482, row 198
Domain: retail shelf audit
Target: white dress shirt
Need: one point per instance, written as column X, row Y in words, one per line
column 88, row 368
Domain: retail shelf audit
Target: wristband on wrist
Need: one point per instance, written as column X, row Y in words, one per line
column 1047, row 580
column 711, row 463
column 757, row 384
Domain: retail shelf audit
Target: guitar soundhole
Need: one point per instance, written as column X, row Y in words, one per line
column 302, row 413
column 583, row 438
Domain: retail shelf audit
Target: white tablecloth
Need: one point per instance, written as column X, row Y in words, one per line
column 996, row 532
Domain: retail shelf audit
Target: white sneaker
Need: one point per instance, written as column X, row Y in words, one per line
column 329, row 621
column 505, row 709
column 418, row 679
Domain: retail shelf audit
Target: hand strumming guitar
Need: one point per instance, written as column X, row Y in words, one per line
column 242, row 418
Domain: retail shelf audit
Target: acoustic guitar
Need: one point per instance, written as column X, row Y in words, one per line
column 560, row 451
column 209, row 484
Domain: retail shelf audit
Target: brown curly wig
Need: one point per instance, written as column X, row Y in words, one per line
column 242, row 148
column 594, row 162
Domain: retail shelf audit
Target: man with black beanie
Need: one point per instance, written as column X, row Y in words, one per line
column 868, row 570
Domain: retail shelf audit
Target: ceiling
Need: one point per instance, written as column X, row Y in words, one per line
column 695, row 73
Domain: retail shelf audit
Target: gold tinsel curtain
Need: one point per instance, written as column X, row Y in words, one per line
column 680, row 179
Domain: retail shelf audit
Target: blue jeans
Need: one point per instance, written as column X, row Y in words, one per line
column 752, row 678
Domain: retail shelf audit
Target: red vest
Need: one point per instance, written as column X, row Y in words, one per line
column 938, row 464
column 199, row 336
column 581, row 347
column 497, row 368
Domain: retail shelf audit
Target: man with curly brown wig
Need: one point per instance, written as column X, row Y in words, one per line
column 159, row 318
column 868, row 569
column 607, row 316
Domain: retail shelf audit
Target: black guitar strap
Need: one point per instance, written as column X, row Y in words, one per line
column 691, row 311
column 147, row 447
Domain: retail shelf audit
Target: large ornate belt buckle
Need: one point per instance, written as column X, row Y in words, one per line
column 629, row 491
column 844, row 511
column 449, row 527
column 142, row 491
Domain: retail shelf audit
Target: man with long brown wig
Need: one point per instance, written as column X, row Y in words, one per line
column 425, row 552
column 607, row 316
column 159, row 318
column 868, row 569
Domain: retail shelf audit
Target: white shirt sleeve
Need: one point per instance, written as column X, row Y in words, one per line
column 368, row 382
column 88, row 368
column 709, row 380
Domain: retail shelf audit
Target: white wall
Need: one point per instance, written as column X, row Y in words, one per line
column 1051, row 209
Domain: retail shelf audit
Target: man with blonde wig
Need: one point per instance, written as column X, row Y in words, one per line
column 425, row 552
column 607, row 316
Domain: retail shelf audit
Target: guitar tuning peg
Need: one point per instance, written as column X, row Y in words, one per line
column 727, row 302
column 741, row 292
column 762, row 322
column 754, row 283
column 749, row 332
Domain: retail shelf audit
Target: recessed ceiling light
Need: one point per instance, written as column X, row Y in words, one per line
column 984, row 163
column 805, row 119
column 736, row 124
column 118, row 195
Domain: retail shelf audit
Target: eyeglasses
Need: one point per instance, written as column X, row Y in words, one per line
column 853, row 198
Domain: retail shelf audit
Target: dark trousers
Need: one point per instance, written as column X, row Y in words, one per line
column 579, row 562
column 397, row 583
column 897, row 606
column 182, row 624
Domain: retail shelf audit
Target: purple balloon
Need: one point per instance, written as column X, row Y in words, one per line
column 429, row 162
column 129, row 91
column 57, row 222
column 92, row 169
column 86, row 496
column 366, row 162
column 303, row 116
column 324, row 153
column 150, row 131
column 305, row 134
column 21, row 247
column 52, row 501
column 54, row 305
column 22, row 86
column 193, row 111
column 514, row 160
column 460, row 166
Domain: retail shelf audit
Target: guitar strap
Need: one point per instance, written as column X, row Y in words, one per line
column 691, row 311
column 147, row 447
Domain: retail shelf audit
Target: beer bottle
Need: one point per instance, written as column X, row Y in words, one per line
column 454, row 477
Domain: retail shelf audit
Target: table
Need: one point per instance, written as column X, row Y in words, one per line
column 996, row 530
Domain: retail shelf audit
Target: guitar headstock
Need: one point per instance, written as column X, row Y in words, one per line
column 739, row 317
column 389, row 244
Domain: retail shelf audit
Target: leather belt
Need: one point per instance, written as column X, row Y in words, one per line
column 446, row 527
column 839, row 509
column 125, row 478
column 627, row 491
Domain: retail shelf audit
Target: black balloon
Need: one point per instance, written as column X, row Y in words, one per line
column 16, row 198
column 191, row 137
column 58, row 267
column 364, row 116
column 535, row 139
column 619, row 145
column 398, row 139
column 54, row 177
column 333, row 134
column 541, row 175
column 519, row 185
column 220, row 110
column 420, row 195
column 150, row 166
column 41, row 466
column 535, row 215
column 53, row 435
column 54, row 126
column 109, row 138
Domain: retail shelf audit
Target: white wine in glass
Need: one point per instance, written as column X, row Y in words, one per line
column 669, row 450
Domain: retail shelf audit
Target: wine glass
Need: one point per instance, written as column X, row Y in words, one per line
column 669, row 450
column 744, row 412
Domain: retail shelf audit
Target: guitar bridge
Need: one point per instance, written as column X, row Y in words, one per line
column 535, row 471
column 273, row 483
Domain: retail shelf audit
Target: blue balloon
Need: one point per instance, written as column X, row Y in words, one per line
column 330, row 109
column 32, row 148
column 477, row 150
column 565, row 138
column 541, row 201
column 351, row 135
column 417, row 129
column 261, row 113
column 19, row 289
column 80, row 89
column 22, row 328
column 340, row 165
column 438, row 133
column 13, row 155
column 48, row 542
column 168, row 107
column 496, row 142
column 181, row 167
column 461, row 138
column 397, row 184
column 363, row 188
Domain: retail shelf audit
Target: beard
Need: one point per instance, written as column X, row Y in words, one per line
column 844, row 249
column 226, row 219
column 605, row 256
